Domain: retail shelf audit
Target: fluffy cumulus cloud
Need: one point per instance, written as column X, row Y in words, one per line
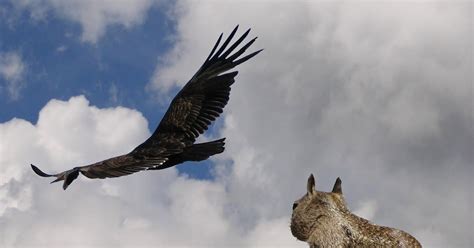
column 12, row 71
column 142, row 210
column 379, row 94
column 93, row 15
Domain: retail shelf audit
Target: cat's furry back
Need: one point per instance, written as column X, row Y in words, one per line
column 322, row 219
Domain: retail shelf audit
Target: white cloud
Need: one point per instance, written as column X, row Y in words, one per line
column 64, row 133
column 145, row 209
column 61, row 48
column 12, row 71
column 377, row 93
column 272, row 233
column 12, row 197
column 434, row 239
column 78, row 129
column 113, row 93
column 366, row 209
column 94, row 16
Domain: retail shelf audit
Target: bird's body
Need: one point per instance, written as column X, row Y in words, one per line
column 190, row 113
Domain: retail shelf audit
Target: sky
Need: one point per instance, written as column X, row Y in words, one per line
column 378, row 93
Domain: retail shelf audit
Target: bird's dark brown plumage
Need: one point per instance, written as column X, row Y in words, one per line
column 190, row 113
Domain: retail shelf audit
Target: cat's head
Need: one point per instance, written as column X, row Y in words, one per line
column 316, row 209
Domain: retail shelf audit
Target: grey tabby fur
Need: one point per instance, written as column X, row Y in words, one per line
column 322, row 219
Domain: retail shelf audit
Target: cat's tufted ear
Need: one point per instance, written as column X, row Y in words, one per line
column 311, row 185
column 337, row 186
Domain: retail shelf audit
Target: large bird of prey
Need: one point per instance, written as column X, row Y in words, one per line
column 190, row 113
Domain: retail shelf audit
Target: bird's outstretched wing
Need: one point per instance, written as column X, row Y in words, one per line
column 121, row 166
column 112, row 167
column 190, row 113
column 203, row 98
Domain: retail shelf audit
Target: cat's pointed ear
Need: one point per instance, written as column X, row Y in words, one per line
column 311, row 185
column 337, row 186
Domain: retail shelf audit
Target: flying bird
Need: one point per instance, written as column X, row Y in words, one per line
column 190, row 113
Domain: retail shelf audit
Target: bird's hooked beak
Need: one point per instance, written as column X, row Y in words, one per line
column 67, row 176
column 60, row 178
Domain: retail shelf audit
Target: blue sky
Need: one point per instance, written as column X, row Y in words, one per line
column 376, row 93
column 124, row 57
column 114, row 71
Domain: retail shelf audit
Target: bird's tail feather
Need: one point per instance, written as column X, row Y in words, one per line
column 202, row 151
column 196, row 152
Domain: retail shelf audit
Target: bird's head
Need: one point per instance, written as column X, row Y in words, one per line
column 68, row 177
